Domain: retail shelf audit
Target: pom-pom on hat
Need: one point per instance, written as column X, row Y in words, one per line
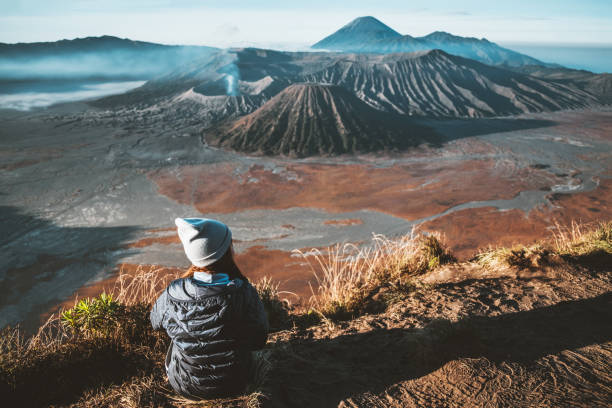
column 205, row 241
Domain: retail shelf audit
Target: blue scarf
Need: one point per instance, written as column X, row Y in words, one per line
column 207, row 279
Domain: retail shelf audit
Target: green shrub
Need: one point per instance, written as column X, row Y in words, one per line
column 92, row 317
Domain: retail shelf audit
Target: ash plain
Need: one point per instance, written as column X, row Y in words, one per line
column 86, row 190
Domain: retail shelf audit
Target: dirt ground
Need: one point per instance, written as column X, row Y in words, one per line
column 470, row 337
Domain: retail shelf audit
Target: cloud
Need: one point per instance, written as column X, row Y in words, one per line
column 227, row 30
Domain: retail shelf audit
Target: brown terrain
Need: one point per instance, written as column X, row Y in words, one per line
column 409, row 191
column 464, row 229
column 473, row 337
column 465, row 232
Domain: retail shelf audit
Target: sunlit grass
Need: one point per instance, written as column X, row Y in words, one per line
column 143, row 285
column 578, row 243
column 347, row 275
column 113, row 330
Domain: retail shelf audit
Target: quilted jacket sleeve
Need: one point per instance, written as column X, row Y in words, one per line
column 255, row 320
column 159, row 311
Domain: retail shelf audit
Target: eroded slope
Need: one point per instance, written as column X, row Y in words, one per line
column 307, row 119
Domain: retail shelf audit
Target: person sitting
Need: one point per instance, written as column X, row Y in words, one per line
column 213, row 316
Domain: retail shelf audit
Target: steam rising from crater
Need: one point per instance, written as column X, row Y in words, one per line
column 232, row 85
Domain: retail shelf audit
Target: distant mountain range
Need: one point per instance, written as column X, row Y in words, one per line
column 362, row 99
column 434, row 83
column 312, row 103
column 369, row 35
column 103, row 57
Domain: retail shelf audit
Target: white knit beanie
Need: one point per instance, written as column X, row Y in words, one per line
column 205, row 241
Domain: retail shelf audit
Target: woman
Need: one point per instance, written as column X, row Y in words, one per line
column 213, row 315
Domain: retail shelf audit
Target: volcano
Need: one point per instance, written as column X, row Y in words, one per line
column 318, row 119
column 369, row 35
column 359, row 31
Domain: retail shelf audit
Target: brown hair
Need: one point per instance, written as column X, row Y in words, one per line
column 225, row 264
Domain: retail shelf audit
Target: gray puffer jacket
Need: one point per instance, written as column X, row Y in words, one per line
column 213, row 330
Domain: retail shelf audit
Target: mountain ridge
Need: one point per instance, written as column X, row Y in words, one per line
column 435, row 83
column 105, row 56
column 481, row 50
column 424, row 83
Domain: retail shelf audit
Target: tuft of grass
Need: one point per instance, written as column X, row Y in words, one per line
column 348, row 276
column 582, row 244
column 143, row 285
column 580, row 240
column 520, row 257
column 277, row 309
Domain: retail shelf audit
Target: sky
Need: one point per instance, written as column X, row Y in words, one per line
column 296, row 25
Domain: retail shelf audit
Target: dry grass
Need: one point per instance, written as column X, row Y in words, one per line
column 519, row 256
column 586, row 244
column 583, row 239
column 277, row 307
column 142, row 286
column 347, row 275
column 120, row 366
column 123, row 367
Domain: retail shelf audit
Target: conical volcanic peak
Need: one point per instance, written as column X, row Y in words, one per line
column 369, row 35
column 317, row 119
column 362, row 29
column 370, row 24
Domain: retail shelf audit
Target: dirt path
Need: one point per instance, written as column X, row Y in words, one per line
column 479, row 339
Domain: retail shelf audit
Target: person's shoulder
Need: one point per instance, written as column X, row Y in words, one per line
column 177, row 289
column 247, row 288
column 240, row 284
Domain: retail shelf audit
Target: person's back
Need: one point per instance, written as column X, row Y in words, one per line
column 214, row 318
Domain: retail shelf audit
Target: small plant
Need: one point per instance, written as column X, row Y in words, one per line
column 434, row 253
column 92, row 316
